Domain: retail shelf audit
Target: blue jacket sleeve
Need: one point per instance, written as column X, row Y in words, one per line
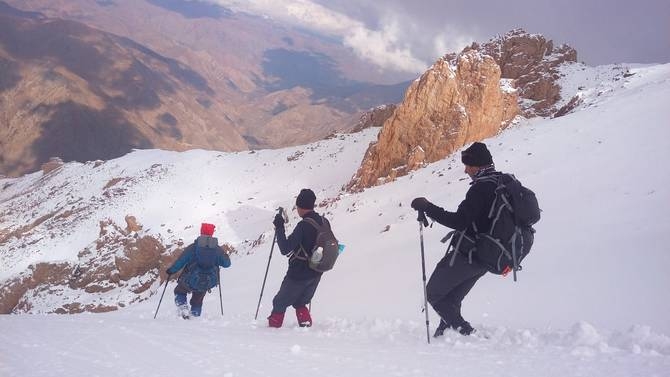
column 223, row 259
column 292, row 242
column 182, row 261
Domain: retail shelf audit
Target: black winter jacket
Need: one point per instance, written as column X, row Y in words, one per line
column 304, row 234
column 474, row 208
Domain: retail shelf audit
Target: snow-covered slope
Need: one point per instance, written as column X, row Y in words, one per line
column 591, row 299
column 169, row 193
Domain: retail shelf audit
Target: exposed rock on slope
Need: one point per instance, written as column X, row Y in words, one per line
column 444, row 109
column 121, row 260
column 374, row 117
column 467, row 97
column 531, row 61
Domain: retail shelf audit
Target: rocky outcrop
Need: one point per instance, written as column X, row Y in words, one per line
column 374, row 117
column 568, row 107
column 447, row 107
column 119, row 262
column 53, row 164
column 531, row 61
column 467, row 97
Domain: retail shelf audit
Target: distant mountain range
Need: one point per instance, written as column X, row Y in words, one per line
column 88, row 80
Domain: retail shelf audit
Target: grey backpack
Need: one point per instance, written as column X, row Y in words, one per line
column 326, row 248
column 203, row 272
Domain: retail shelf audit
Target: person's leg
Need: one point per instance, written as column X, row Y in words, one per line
column 289, row 291
column 180, row 292
column 308, row 289
column 196, row 303
column 452, row 304
column 302, row 313
column 447, row 287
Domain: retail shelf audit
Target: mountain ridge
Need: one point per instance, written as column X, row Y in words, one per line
column 232, row 93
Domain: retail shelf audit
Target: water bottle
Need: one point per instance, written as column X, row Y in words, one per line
column 317, row 255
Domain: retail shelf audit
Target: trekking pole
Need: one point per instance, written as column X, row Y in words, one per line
column 161, row 300
column 274, row 240
column 424, row 222
column 220, row 296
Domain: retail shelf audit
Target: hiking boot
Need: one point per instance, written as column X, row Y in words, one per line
column 465, row 329
column 180, row 299
column 196, row 310
column 304, row 319
column 276, row 319
column 183, row 311
column 439, row 331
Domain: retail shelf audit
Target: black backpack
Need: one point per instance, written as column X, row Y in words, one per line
column 203, row 272
column 503, row 246
column 326, row 247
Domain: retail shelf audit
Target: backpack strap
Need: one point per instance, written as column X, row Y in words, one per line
column 318, row 228
column 315, row 224
column 455, row 246
column 301, row 253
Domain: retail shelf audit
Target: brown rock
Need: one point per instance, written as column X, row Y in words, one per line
column 568, row 107
column 40, row 274
column 446, row 108
column 132, row 225
column 139, row 257
column 106, row 266
column 374, row 117
column 53, row 164
column 531, row 61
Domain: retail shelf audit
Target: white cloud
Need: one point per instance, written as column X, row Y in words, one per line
column 386, row 48
column 449, row 42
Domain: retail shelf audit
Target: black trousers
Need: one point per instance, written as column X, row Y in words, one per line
column 296, row 293
column 448, row 286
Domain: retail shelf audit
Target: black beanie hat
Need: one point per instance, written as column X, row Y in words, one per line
column 305, row 199
column 477, row 155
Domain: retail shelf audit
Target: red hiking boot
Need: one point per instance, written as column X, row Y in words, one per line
column 276, row 320
column 304, row 319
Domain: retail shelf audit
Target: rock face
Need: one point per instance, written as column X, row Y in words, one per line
column 374, row 117
column 531, row 61
column 447, row 107
column 119, row 261
column 467, row 97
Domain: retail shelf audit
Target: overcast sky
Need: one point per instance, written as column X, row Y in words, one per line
column 409, row 35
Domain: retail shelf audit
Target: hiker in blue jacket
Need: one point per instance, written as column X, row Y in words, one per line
column 201, row 261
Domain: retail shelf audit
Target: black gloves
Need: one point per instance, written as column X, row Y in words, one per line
column 278, row 221
column 421, row 204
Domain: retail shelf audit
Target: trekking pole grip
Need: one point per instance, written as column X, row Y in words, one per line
column 422, row 218
column 283, row 213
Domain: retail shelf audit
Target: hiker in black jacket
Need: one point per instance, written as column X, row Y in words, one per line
column 300, row 282
column 450, row 283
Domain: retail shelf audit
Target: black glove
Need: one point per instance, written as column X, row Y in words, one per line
column 420, row 204
column 278, row 221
